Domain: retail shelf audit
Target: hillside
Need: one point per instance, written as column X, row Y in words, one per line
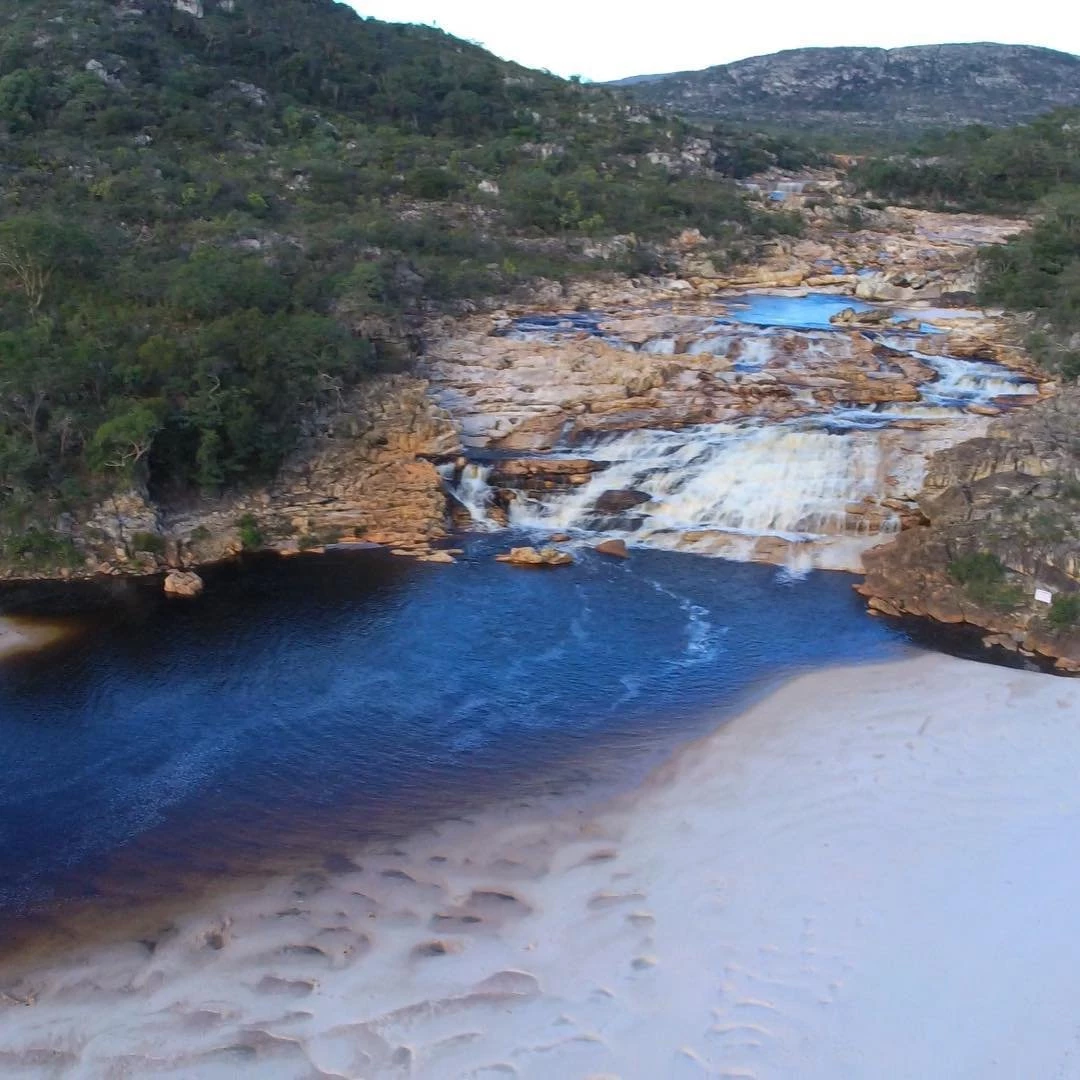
column 852, row 89
column 217, row 216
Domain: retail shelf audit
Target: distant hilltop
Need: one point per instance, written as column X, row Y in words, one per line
column 846, row 89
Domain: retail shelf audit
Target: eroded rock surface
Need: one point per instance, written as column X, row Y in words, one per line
column 366, row 474
column 1013, row 494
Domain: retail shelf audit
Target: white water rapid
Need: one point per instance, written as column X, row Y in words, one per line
column 815, row 489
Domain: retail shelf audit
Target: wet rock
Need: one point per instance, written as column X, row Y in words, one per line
column 443, row 557
column 183, row 584
column 615, row 548
column 530, row 556
column 618, row 502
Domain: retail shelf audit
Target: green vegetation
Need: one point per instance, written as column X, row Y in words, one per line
column 1039, row 271
column 742, row 151
column 251, row 537
column 211, row 228
column 983, row 578
column 1065, row 611
column 979, row 168
column 150, row 543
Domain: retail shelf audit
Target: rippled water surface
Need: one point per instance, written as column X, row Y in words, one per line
column 357, row 692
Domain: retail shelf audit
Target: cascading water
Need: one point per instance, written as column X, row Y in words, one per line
column 964, row 382
column 816, row 488
column 471, row 489
column 789, row 482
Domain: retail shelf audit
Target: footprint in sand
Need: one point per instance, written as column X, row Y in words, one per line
column 274, row 984
column 603, row 900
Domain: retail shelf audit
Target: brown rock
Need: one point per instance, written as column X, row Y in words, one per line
column 615, row 548
column 617, row 502
column 530, row 556
column 183, row 583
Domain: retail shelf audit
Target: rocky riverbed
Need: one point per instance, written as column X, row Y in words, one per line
column 788, row 427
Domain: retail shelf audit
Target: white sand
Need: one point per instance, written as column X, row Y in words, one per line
column 873, row 873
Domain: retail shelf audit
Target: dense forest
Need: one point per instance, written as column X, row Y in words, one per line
column 215, row 214
column 1031, row 170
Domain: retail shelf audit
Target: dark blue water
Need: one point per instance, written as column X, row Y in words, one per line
column 319, row 700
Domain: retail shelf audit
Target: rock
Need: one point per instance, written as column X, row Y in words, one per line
column 615, row 548
column 1013, row 495
column 883, row 607
column 560, row 538
column 438, row 557
column 851, row 317
column 961, row 298
column 183, row 583
column 530, row 556
column 617, row 502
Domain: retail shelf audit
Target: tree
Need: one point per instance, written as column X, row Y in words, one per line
column 123, row 442
column 36, row 249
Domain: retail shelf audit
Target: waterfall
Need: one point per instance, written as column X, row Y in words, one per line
column 793, row 482
column 965, row 382
column 471, row 489
column 814, row 490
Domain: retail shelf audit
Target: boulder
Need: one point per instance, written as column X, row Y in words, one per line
column 530, row 556
column 443, row 557
column 615, row 548
column 183, row 583
column 617, row 502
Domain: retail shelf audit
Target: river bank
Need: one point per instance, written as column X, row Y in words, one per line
column 832, row 845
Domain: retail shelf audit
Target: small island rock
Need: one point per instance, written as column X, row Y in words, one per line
column 183, row 583
column 529, row 556
column 615, row 548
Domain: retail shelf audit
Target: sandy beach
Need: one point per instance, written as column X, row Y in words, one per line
column 870, row 873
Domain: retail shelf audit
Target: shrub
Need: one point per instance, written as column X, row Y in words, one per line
column 251, row 536
column 149, row 542
column 977, row 568
column 1065, row 611
column 982, row 576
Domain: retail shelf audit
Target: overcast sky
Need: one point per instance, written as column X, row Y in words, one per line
column 609, row 39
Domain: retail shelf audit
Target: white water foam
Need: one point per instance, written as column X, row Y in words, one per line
column 791, row 482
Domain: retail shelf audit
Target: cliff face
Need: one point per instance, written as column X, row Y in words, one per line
column 365, row 475
column 851, row 88
column 1011, row 499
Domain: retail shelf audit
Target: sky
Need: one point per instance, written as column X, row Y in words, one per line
column 611, row 39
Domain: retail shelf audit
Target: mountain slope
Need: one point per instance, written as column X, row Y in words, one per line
column 216, row 216
column 861, row 88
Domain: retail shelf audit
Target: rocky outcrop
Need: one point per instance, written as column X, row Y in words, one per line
column 645, row 369
column 366, row 474
column 1013, row 495
column 896, row 255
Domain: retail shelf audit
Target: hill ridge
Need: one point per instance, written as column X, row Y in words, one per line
column 866, row 87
